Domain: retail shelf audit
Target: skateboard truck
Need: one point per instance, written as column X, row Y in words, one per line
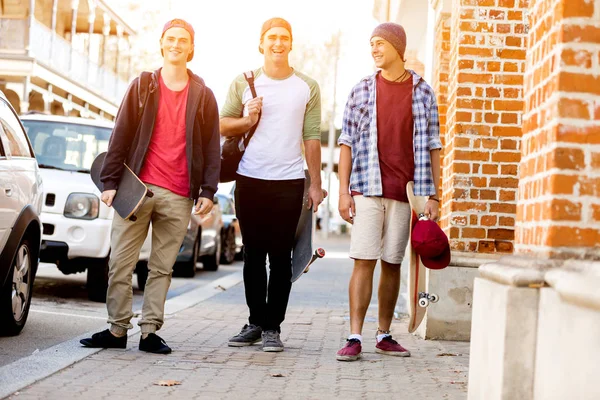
column 423, row 217
column 319, row 253
column 426, row 298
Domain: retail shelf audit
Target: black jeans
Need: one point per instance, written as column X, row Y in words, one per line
column 268, row 212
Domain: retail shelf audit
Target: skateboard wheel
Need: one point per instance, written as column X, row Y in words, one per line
column 423, row 302
column 150, row 193
column 320, row 252
column 434, row 298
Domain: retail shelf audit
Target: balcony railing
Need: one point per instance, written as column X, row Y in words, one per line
column 12, row 35
column 61, row 56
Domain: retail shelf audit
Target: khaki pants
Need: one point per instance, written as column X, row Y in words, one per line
column 170, row 216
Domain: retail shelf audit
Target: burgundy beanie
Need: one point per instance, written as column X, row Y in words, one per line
column 394, row 34
column 274, row 23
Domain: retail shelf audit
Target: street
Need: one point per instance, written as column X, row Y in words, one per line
column 60, row 309
column 197, row 327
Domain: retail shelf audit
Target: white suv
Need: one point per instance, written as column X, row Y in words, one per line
column 20, row 226
column 76, row 224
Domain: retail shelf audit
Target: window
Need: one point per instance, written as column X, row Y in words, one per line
column 64, row 145
column 226, row 205
column 17, row 141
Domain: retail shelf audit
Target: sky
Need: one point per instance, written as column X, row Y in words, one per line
column 228, row 33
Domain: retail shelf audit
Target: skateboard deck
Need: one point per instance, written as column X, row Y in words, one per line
column 302, row 254
column 132, row 192
column 418, row 298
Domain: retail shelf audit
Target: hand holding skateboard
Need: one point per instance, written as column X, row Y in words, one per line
column 315, row 197
column 432, row 209
column 203, row 206
column 132, row 191
column 108, row 196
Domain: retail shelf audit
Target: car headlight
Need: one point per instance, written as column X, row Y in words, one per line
column 82, row 206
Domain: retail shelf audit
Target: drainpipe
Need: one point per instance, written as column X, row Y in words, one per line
column 88, row 50
column 53, row 28
column 74, row 7
column 30, row 23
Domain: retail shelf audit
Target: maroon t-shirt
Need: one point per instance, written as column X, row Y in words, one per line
column 395, row 136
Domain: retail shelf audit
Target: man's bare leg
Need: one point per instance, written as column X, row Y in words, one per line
column 389, row 286
column 360, row 292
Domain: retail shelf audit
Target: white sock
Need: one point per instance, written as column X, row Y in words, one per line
column 355, row 336
column 383, row 335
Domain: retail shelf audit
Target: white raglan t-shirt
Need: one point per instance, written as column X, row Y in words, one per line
column 291, row 113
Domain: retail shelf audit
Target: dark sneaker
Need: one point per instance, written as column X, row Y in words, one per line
column 249, row 335
column 105, row 340
column 271, row 341
column 392, row 348
column 154, row 344
column 350, row 352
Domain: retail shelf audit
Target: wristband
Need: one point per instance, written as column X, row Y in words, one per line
column 434, row 199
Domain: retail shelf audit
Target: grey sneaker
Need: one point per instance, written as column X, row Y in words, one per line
column 271, row 341
column 249, row 335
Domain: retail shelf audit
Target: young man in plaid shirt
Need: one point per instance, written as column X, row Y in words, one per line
column 390, row 136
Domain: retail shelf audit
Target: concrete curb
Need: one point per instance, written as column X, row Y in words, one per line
column 28, row 370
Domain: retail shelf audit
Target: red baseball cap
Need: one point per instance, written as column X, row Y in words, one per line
column 431, row 244
column 274, row 23
column 179, row 23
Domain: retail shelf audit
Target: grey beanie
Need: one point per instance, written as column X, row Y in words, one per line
column 393, row 33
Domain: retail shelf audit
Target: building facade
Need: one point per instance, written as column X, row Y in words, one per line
column 64, row 57
column 518, row 88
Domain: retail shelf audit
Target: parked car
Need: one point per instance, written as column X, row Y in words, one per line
column 202, row 243
column 76, row 224
column 20, row 226
column 231, row 237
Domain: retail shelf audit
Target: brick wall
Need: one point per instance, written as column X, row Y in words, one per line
column 485, row 103
column 440, row 86
column 559, row 191
column 412, row 62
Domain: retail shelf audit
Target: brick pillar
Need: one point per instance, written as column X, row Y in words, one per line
column 413, row 62
column 559, row 192
column 485, row 103
column 440, row 84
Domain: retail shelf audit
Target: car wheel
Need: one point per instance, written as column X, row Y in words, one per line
column 187, row 269
column 211, row 261
column 97, row 279
column 141, row 270
column 228, row 252
column 15, row 296
column 240, row 255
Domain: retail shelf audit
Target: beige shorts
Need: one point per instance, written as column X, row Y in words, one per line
column 380, row 230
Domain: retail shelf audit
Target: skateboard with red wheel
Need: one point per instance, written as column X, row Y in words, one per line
column 303, row 255
column 131, row 194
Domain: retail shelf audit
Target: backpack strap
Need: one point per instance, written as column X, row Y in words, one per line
column 143, row 92
column 249, row 76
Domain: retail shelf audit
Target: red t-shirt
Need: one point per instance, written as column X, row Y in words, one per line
column 395, row 136
column 166, row 160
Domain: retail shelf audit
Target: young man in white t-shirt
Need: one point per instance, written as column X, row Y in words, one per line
column 270, row 181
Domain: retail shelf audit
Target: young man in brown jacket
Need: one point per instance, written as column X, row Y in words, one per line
column 173, row 146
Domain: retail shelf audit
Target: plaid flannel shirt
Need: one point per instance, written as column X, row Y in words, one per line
column 359, row 132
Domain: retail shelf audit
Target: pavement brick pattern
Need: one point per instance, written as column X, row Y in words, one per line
column 315, row 328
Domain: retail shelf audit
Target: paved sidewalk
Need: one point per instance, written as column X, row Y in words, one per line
column 315, row 328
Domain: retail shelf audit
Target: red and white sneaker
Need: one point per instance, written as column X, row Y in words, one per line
column 392, row 348
column 350, row 352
